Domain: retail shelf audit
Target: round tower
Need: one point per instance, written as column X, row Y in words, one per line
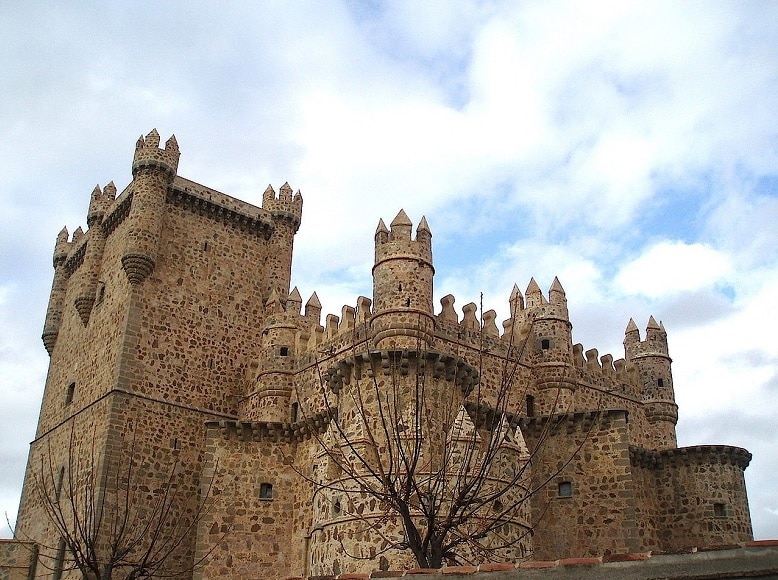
column 550, row 344
column 286, row 212
column 153, row 172
column 652, row 360
column 402, row 286
column 58, row 289
column 274, row 379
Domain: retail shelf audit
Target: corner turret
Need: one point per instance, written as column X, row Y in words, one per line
column 402, row 285
column 271, row 388
column 153, row 172
column 58, row 289
column 286, row 211
column 652, row 360
column 99, row 204
column 550, row 343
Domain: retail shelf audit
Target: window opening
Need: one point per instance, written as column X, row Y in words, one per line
column 565, row 489
column 530, row 406
column 295, row 409
column 545, row 344
column 660, row 383
column 336, row 507
column 719, row 510
column 70, row 392
column 60, row 481
column 284, row 351
column 266, row 491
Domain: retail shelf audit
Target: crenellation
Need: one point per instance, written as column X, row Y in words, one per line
column 172, row 318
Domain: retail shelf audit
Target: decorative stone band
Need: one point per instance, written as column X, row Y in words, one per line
column 257, row 224
column 686, row 455
column 117, row 214
column 581, row 420
column 158, row 160
column 76, row 257
column 661, row 411
column 274, row 431
column 402, row 363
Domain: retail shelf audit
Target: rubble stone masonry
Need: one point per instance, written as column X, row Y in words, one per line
column 177, row 344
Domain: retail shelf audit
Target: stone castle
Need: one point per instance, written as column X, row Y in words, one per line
column 173, row 331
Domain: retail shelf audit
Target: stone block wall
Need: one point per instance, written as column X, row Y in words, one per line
column 585, row 503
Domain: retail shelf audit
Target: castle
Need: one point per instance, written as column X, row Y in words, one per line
column 173, row 333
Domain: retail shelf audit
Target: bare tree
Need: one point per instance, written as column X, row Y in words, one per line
column 112, row 522
column 424, row 456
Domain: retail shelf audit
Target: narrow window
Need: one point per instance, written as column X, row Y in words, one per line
column 266, row 491
column 100, row 292
column 284, row 351
column 545, row 344
column 60, row 481
column 565, row 489
column 530, row 406
column 660, row 383
column 336, row 508
column 175, row 444
column 70, row 392
column 205, row 246
column 719, row 510
column 295, row 409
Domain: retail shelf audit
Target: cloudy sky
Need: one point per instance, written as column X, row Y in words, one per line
column 629, row 148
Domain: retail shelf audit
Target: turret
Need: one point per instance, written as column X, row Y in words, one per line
column 652, row 360
column 549, row 341
column 99, row 204
column 273, row 382
column 58, row 290
column 402, row 285
column 286, row 212
column 153, row 172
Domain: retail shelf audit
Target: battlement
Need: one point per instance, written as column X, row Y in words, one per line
column 396, row 242
column 100, row 203
column 285, row 205
column 655, row 343
column 149, row 155
column 707, row 454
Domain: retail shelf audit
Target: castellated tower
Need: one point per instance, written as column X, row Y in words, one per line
column 402, row 285
column 155, row 320
column 176, row 347
column 652, row 359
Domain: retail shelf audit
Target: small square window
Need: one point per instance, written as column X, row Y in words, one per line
column 266, row 491
column 284, row 351
column 660, row 383
column 565, row 489
column 719, row 510
column 545, row 344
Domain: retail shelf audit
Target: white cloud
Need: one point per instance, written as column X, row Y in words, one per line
column 669, row 267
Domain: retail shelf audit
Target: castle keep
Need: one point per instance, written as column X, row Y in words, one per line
column 174, row 334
